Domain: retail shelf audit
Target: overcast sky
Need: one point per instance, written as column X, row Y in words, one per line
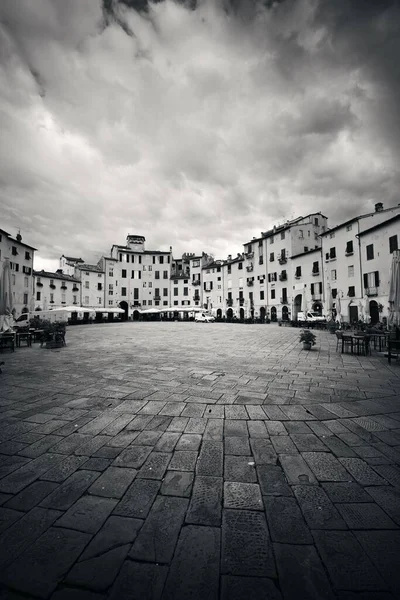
column 197, row 124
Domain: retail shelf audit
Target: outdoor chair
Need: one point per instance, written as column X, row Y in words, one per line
column 342, row 340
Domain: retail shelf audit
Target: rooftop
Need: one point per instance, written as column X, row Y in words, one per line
column 56, row 275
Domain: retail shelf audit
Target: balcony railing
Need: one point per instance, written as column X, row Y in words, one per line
column 39, row 284
column 249, row 268
column 196, row 298
column 250, row 282
column 75, row 289
column 157, row 297
column 371, row 291
column 282, row 277
column 316, row 297
column 64, row 287
column 196, row 282
column 229, row 302
column 297, row 276
column 53, row 287
column 314, row 273
column 284, row 300
column 249, row 254
column 282, row 260
column 241, row 301
column 349, row 252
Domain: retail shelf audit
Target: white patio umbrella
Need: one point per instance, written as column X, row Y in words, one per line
column 6, row 298
column 394, row 290
column 338, row 309
column 361, row 310
column 366, row 308
column 304, row 301
column 328, row 303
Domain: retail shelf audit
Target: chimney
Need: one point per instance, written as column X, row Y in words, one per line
column 378, row 207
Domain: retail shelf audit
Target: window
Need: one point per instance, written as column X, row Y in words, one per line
column 284, row 295
column 349, row 227
column 332, row 253
column 99, row 287
column 99, row 301
column 86, row 285
column 334, row 292
column 370, row 251
column 38, row 280
column 13, row 278
column 51, row 281
column 332, row 235
column 316, row 222
column 27, row 256
column 315, row 267
column 333, row 275
column 305, row 248
column 26, row 282
column 74, row 299
column 261, row 260
column 38, row 295
column 301, row 234
column 240, row 266
column 86, row 299
column 350, row 271
column 157, row 274
column 186, row 281
column 371, row 279
column 349, row 247
column 176, row 302
column 196, row 263
column 150, row 267
column 309, row 233
column 145, row 284
column 124, row 273
column 161, row 260
column 272, row 294
column 393, row 244
column 123, row 291
column 240, row 282
column 140, row 259
column 111, row 272
column 99, row 275
column 154, row 260
column 136, row 293
column 165, row 291
column 271, row 257
column 229, row 269
column 262, row 295
column 150, row 284
column 110, row 303
column 175, row 291
column 186, row 291
column 352, row 291
column 150, row 302
column 271, row 240
column 14, row 251
column 282, row 235
column 165, row 302
column 298, row 272
column 165, row 274
column 144, row 301
column 144, row 266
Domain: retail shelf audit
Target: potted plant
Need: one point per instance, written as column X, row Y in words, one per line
column 308, row 339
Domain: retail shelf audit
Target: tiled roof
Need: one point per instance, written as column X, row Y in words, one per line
column 51, row 275
column 87, row 267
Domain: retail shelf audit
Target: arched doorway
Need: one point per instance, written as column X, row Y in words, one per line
column 229, row 313
column 136, row 315
column 262, row 314
column 285, row 313
column 241, row 314
column 374, row 312
column 219, row 313
column 124, row 306
column 273, row 313
column 297, row 305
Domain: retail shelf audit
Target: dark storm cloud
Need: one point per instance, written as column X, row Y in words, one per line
column 197, row 124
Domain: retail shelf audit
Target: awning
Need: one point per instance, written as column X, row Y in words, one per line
column 107, row 310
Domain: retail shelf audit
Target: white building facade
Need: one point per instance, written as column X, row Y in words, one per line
column 20, row 256
column 55, row 290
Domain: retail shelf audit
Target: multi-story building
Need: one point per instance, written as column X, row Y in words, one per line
column 55, row 290
column 181, row 284
column 20, row 256
column 92, row 284
column 255, row 277
column 234, row 281
column 344, row 263
column 212, row 287
column 377, row 245
column 308, row 291
column 68, row 264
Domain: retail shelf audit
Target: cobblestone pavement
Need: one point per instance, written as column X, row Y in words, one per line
column 176, row 461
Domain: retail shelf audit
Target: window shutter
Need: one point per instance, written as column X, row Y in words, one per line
column 376, row 273
column 312, row 288
column 320, row 287
column 365, row 280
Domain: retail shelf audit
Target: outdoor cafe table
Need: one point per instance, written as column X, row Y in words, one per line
column 355, row 338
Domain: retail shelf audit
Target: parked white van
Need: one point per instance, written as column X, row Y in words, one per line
column 310, row 316
column 203, row 317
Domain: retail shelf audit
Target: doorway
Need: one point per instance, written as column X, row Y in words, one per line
column 273, row 313
column 241, row 314
column 297, row 305
column 262, row 314
column 285, row 313
column 124, row 306
column 374, row 312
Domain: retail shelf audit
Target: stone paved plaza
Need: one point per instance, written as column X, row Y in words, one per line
column 176, row 461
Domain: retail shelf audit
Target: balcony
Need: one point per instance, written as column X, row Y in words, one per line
column 284, row 300
column 371, row 291
column 157, row 297
column 314, row 273
column 349, row 252
column 282, row 277
column 249, row 254
column 229, row 302
column 196, row 282
column 250, row 282
column 241, row 301
column 75, row 289
column 53, row 287
column 316, row 297
column 39, row 284
column 64, row 287
column 249, row 268
column 297, row 276
column 196, row 298
column 282, row 260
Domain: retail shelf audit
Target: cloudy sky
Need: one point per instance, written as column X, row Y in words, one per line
column 197, row 124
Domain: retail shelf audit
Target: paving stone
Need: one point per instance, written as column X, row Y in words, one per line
column 65, row 495
column 98, row 424
column 70, row 443
column 11, row 447
column 240, row 468
column 346, row 492
column 326, row 467
column 237, row 446
column 388, row 498
column 193, row 410
column 308, row 442
column 297, row 427
column 92, row 445
column 97, row 464
column 283, row 445
column 235, row 412
column 285, row 521
column 390, row 472
column 139, row 581
column 263, row 451
column 210, row 461
column 113, row 483
column 38, row 448
column 139, row 422
column 297, row 470
column 365, row 516
column 132, row 457
column 167, row 442
column 107, row 452
column 8, row 516
column 194, row 572
column 214, row 412
column 347, row 563
column 317, row 509
column 122, row 440
column 275, row 413
column 243, row 588
column 196, row 425
column 361, row 472
column 257, row 429
column 159, row 423
column 44, row 564
column 206, row 502
column 189, row 441
column 273, row 481
column 295, row 565
column 157, row 538
column 183, row 461
column 242, row 496
column 172, row 409
column 275, row 428
column 138, row 499
column 382, row 548
column 147, row 438
column 338, row 447
column 64, row 469
column 246, row 546
column 235, row 428
column 9, row 464
column 22, row 477
column 31, row 496
column 214, row 430
column 177, row 483
column 178, row 424
column 87, row 514
column 155, row 466
column 365, row 596
column 256, row 412
column 152, row 407
column 98, row 573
